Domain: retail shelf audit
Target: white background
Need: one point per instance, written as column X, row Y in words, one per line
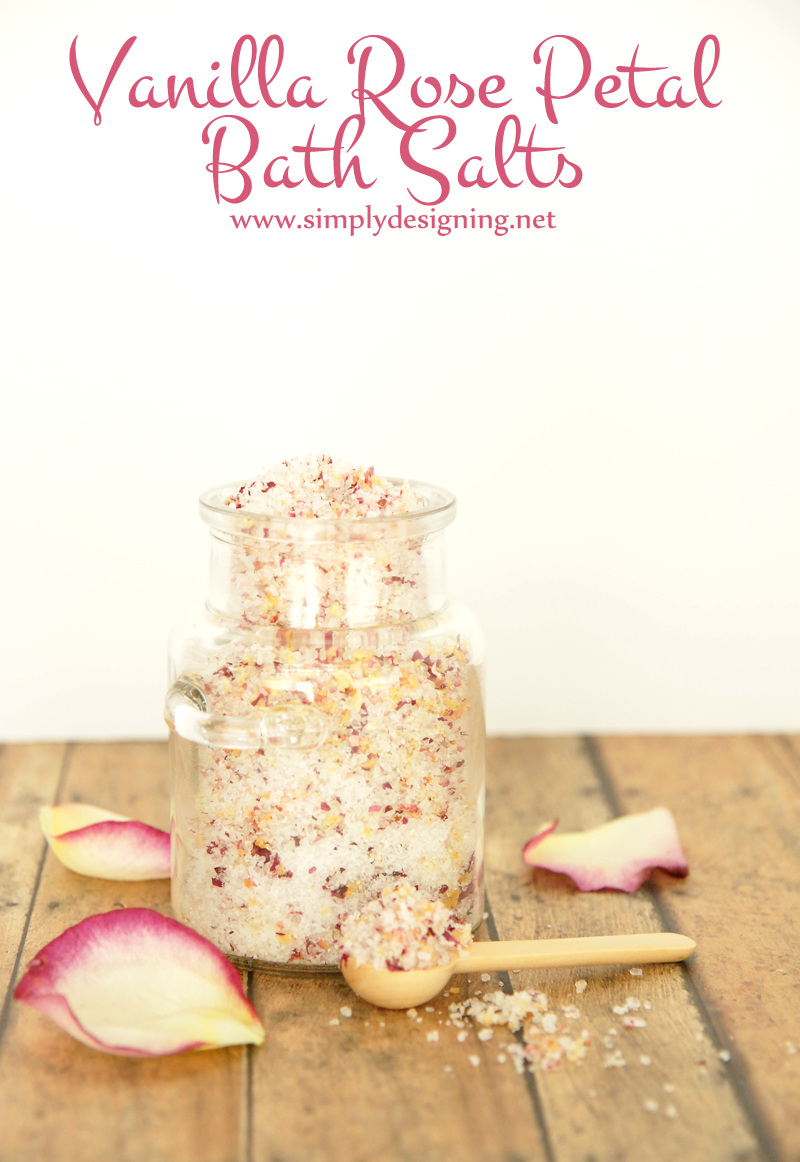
column 614, row 401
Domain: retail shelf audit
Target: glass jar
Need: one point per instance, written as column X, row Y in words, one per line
column 326, row 730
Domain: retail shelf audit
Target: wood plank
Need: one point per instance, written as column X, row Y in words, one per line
column 29, row 777
column 737, row 802
column 592, row 1111
column 374, row 1089
column 65, row 1102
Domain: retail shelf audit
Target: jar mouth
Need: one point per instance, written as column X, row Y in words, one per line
column 439, row 512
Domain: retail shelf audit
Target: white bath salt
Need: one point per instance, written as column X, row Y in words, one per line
column 645, row 1060
column 651, row 1106
column 412, row 1013
column 550, row 1052
column 486, row 1034
column 544, row 1047
column 501, row 1057
column 647, row 1005
column 486, row 915
column 619, row 1009
column 669, row 1087
column 571, row 1012
column 429, row 1009
column 580, row 986
column 699, row 1036
column 791, row 1049
column 608, row 1042
column 462, row 1036
column 670, row 1112
column 403, row 930
column 634, row 1022
column 500, row 1008
column 485, row 977
column 614, row 1060
column 334, row 1021
column 474, row 1059
column 419, row 1020
column 635, row 971
column 725, row 1055
column 382, row 1024
column 346, row 1011
column 319, row 486
column 280, row 846
column 434, row 1036
column 633, row 1004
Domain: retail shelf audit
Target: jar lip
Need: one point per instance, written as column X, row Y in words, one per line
column 439, row 512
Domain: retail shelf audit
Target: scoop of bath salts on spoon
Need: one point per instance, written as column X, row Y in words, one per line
column 402, row 949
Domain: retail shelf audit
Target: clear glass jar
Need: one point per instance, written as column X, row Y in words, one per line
column 326, row 730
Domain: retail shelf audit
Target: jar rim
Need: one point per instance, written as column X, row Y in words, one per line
column 439, row 512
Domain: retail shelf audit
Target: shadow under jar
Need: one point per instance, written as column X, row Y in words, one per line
column 326, row 730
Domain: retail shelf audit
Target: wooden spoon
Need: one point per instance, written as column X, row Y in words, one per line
column 404, row 990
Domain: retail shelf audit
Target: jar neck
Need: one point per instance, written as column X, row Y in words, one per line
column 327, row 584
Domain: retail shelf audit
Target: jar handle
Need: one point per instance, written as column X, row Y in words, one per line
column 296, row 725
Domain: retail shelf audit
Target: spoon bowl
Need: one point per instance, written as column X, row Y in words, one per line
column 390, row 989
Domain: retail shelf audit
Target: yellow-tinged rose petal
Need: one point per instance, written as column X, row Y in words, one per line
column 620, row 854
column 137, row 984
column 94, row 842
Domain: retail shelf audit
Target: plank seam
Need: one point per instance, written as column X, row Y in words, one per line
column 784, row 753
column 736, row 1070
column 530, row 1078
column 5, row 1013
column 247, row 1131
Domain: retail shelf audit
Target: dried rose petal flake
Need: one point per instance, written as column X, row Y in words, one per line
column 620, row 854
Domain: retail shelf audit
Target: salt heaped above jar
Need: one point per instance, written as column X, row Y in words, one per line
column 326, row 714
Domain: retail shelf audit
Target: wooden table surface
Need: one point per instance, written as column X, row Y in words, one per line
column 373, row 1088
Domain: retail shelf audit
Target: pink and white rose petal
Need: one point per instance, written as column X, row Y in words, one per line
column 135, row 983
column 99, row 843
column 620, row 854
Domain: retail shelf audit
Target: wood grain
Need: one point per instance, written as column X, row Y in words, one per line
column 374, row 1089
column 594, row 1111
column 29, row 778
column 61, row 1100
column 737, row 802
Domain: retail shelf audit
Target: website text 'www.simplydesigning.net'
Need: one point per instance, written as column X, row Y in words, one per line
column 372, row 223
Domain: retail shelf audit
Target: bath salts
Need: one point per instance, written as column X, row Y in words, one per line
column 287, row 574
column 402, row 930
column 319, row 486
column 280, row 844
column 545, row 1043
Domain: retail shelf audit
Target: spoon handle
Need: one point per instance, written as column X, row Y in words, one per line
column 576, row 951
